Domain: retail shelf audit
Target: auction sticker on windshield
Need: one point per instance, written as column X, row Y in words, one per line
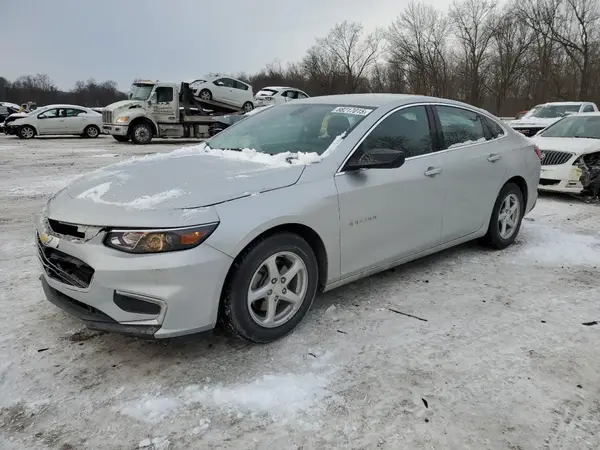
column 352, row 110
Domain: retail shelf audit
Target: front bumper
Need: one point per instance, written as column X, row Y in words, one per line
column 561, row 178
column 10, row 130
column 115, row 130
column 160, row 296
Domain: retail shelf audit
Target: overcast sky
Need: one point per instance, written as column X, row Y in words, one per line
column 173, row 40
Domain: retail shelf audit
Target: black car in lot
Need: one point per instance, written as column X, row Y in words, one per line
column 6, row 111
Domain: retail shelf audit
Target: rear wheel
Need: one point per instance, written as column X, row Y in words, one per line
column 507, row 217
column 121, row 138
column 248, row 106
column 141, row 134
column 91, row 131
column 273, row 286
column 26, row 132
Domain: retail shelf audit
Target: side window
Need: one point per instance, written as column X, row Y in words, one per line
column 460, row 126
column 227, row 82
column 74, row 112
column 239, row 85
column 494, row 129
column 164, row 94
column 302, row 95
column 406, row 130
column 588, row 108
column 50, row 114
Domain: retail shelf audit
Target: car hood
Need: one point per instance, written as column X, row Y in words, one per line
column 574, row 145
column 125, row 104
column 136, row 192
column 533, row 122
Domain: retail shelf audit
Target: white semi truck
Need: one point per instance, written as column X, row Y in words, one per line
column 163, row 110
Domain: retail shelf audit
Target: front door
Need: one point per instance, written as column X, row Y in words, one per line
column 51, row 122
column 388, row 214
column 166, row 108
column 474, row 167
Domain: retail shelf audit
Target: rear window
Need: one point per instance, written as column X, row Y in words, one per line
column 266, row 92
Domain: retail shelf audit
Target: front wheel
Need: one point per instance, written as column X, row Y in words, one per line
column 205, row 94
column 121, row 138
column 91, row 131
column 141, row 134
column 272, row 288
column 26, row 132
column 506, row 219
column 248, row 106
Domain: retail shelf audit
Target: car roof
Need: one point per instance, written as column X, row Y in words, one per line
column 379, row 100
column 281, row 87
column 63, row 106
column 563, row 103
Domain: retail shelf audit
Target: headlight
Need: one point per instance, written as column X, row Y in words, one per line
column 124, row 119
column 158, row 241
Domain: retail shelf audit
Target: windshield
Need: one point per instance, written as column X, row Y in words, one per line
column 575, row 127
column 141, row 91
column 291, row 128
column 552, row 111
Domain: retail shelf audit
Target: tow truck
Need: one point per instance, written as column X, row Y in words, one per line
column 164, row 110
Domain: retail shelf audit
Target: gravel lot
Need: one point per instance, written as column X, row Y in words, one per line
column 498, row 355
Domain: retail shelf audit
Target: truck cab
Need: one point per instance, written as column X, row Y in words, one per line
column 159, row 109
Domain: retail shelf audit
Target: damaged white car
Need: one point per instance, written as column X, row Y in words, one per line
column 571, row 154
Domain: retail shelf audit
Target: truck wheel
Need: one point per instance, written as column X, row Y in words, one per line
column 91, row 131
column 121, row 138
column 141, row 134
column 26, row 132
column 248, row 106
column 205, row 94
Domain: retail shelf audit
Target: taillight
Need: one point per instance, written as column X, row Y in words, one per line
column 537, row 151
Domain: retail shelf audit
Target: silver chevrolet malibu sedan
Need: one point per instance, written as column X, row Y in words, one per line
column 334, row 189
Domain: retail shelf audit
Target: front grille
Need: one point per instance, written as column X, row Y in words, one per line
column 65, row 229
column 554, row 158
column 530, row 131
column 64, row 268
column 107, row 116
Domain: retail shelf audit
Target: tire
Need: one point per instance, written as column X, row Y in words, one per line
column 141, row 133
column 248, row 321
column 494, row 237
column 205, row 94
column 248, row 106
column 121, row 138
column 91, row 131
column 26, row 132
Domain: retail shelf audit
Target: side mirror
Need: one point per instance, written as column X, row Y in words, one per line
column 129, row 96
column 378, row 158
column 152, row 98
column 219, row 83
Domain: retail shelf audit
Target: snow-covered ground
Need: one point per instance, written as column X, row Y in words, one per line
column 497, row 355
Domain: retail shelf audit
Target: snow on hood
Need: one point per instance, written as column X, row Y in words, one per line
column 575, row 145
column 187, row 178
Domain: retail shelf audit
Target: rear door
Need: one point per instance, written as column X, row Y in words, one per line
column 75, row 121
column 474, row 169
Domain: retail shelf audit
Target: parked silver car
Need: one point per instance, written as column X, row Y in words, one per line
column 170, row 243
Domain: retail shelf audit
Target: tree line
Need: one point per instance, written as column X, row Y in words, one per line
column 501, row 58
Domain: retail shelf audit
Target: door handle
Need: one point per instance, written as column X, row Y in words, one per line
column 433, row 171
column 494, row 157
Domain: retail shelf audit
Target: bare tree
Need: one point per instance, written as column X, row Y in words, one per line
column 356, row 55
column 418, row 42
column 511, row 43
column 475, row 22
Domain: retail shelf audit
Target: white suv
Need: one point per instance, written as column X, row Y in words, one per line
column 226, row 90
column 275, row 95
